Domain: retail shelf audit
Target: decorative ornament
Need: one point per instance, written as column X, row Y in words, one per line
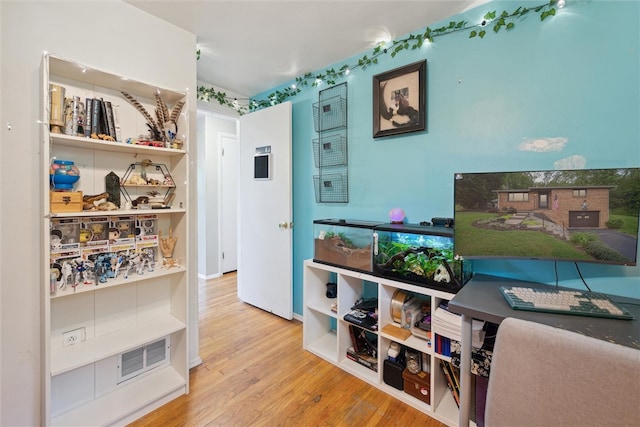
column 167, row 245
column 165, row 127
column 396, row 216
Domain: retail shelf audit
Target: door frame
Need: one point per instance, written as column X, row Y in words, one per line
column 221, row 208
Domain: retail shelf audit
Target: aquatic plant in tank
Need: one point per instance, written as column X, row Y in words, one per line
column 424, row 258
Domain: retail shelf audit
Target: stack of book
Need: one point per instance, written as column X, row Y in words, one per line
column 101, row 119
column 449, row 325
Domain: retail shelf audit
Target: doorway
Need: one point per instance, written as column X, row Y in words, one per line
column 228, row 190
column 214, row 129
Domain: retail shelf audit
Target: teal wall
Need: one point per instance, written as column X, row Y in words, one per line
column 572, row 81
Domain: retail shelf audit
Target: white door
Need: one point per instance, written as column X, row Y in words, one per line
column 264, row 212
column 228, row 189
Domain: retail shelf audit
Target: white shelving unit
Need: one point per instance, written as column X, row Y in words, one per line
column 83, row 383
column 326, row 334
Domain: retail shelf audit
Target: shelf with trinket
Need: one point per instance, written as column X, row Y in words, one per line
column 115, row 253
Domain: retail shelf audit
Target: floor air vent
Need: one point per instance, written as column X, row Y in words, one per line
column 135, row 362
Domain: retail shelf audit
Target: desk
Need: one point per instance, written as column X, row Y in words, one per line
column 481, row 299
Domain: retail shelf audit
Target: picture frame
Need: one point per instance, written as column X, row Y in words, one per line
column 399, row 100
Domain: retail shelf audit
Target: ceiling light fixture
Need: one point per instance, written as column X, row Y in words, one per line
column 561, row 4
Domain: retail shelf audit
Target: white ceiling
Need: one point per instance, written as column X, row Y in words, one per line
column 249, row 46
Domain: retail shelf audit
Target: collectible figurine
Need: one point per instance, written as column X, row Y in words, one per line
column 101, row 269
column 148, row 259
column 81, row 272
column 133, row 260
column 114, row 234
column 56, row 240
column 66, row 275
column 121, row 260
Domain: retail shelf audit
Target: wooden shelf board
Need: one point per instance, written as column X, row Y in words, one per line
column 111, row 408
column 68, row 358
column 325, row 347
column 117, row 212
column 119, row 147
column 119, row 281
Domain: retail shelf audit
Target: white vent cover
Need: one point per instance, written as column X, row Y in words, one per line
column 135, row 362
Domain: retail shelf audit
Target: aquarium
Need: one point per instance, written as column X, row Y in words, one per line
column 418, row 254
column 344, row 243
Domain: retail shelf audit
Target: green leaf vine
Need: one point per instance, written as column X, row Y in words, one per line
column 505, row 20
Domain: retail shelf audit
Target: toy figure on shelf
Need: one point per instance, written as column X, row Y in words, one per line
column 56, row 240
column 132, row 262
column 101, row 269
column 66, row 275
column 170, row 262
column 81, row 268
column 147, row 258
column 122, row 260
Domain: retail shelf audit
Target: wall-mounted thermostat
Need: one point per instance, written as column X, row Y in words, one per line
column 262, row 163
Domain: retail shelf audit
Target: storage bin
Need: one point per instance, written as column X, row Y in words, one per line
column 417, row 385
column 65, row 201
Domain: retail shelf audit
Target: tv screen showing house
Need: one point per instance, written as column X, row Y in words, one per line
column 586, row 215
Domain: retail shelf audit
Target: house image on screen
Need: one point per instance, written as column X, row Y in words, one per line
column 573, row 207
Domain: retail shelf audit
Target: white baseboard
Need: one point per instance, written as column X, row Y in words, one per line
column 195, row 362
column 209, row 277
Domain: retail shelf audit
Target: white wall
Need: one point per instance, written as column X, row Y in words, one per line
column 210, row 125
column 106, row 34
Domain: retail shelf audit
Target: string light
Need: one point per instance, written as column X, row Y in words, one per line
column 384, row 45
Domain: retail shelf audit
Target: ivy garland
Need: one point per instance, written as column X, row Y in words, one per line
column 411, row 42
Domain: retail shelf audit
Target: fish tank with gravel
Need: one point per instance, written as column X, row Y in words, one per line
column 422, row 255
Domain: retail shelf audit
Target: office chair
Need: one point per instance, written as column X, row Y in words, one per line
column 545, row 376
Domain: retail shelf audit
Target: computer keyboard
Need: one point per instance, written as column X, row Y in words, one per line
column 576, row 302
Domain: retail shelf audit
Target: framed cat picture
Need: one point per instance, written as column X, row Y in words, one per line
column 399, row 100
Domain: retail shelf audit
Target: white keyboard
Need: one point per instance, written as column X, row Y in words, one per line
column 576, row 302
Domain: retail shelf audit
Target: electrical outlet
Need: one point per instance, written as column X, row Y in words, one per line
column 73, row 337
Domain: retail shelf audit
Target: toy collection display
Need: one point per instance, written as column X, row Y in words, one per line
column 94, row 250
column 99, row 248
column 100, row 267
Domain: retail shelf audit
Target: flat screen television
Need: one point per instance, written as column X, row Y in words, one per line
column 586, row 215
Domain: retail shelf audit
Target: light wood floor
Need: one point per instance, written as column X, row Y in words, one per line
column 255, row 373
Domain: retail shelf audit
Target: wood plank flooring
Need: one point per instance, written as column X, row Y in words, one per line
column 255, row 373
